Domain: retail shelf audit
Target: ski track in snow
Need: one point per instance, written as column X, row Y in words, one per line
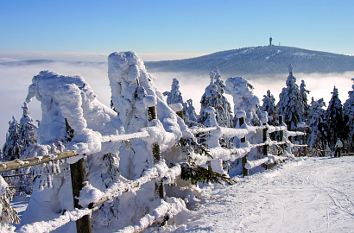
column 312, row 195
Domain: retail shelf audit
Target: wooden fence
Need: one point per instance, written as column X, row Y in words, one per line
column 171, row 206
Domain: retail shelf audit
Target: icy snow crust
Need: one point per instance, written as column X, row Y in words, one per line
column 97, row 134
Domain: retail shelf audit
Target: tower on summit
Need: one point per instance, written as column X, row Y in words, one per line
column 270, row 40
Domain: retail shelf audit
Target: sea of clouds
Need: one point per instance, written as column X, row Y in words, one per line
column 15, row 79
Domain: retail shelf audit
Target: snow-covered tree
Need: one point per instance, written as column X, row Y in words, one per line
column 20, row 136
column 174, row 96
column 290, row 103
column 8, row 215
column 334, row 116
column 190, row 116
column 210, row 121
column 317, row 124
column 269, row 107
column 12, row 146
column 244, row 100
column 68, row 100
column 348, row 111
column 214, row 97
column 304, row 92
column 27, row 129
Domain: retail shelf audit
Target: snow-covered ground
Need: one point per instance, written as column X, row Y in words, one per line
column 311, row 195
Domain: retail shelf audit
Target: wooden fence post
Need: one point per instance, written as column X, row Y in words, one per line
column 265, row 147
column 281, row 133
column 152, row 115
column 78, row 177
column 241, row 121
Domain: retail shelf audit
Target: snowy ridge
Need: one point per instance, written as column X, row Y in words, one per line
column 259, row 60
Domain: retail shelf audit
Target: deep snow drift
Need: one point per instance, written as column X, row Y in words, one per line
column 311, row 195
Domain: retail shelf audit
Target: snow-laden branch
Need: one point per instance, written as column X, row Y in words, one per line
column 168, row 209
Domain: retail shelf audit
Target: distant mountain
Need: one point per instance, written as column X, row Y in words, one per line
column 259, row 60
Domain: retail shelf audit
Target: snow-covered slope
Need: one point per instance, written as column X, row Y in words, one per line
column 314, row 195
column 259, row 60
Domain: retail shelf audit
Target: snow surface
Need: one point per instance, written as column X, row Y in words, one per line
column 310, row 195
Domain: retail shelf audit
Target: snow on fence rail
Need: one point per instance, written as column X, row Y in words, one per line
column 33, row 161
column 237, row 153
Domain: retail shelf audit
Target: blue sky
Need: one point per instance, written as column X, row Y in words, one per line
column 182, row 26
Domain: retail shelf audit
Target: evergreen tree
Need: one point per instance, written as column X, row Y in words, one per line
column 12, row 146
column 334, row 116
column 174, row 96
column 27, row 129
column 244, row 100
column 213, row 97
column 290, row 102
column 269, row 107
column 348, row 111
column 8, row 216
column 304, row 92
column 317, row 123
column 190, row 116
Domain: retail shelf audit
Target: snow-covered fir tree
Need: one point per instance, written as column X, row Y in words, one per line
column 12, row 146
column 214, row 97
column 244, row 100
column 8, row 216
column 190, row 116
column 20, row 136
column 334, row 116
column 269, row 107
column 27, row 129
column 174, row 96
column 348, row 111
column 318, row 125
column 304, row 92
column 290, row 103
